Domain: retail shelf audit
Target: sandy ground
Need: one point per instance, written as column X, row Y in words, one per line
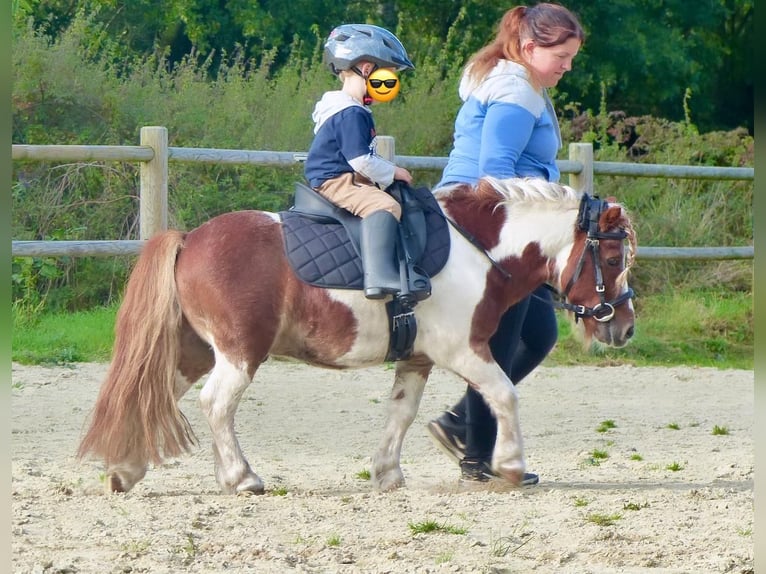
column 309, row 433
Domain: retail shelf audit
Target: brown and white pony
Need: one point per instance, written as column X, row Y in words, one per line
column 222, row 298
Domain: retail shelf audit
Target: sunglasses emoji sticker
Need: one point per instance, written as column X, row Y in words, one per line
column 382, row 85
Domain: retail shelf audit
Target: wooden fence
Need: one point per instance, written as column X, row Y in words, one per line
column 154, row 154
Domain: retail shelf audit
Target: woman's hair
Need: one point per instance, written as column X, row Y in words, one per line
column 546, row 24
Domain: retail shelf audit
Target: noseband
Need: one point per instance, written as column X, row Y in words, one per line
column 591, row 209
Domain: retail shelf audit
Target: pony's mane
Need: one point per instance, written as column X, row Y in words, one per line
column 530, row 189
column 516, row 189
column 536, row 189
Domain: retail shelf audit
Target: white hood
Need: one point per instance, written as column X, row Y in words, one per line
column 332, row 103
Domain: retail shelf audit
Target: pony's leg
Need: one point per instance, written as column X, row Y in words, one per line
column 500, row 395
column 410, row 379
column 502, row 398
column 219, row 399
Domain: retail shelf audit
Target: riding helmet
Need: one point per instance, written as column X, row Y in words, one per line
column 349, row 44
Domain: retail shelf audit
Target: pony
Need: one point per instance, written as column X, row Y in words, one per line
column 223, row 298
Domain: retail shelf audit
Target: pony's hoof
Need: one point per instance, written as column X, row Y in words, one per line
column 512, row 473
column 251, row 485
column 388, row 481
column 121, row 478
column 114, row 484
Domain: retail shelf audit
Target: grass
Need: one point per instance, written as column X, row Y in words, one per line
column 603, row 519
column 61, row 338
column 686, row 328
column 679, row 327
column 720, row 430
column 606, row 425
column 431, row 526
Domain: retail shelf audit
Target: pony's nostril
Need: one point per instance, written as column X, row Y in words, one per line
column 629, row 332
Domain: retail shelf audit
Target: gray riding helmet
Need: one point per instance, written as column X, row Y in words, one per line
column 349, row 44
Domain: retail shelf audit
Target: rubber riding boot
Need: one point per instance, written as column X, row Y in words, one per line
column 378, row 245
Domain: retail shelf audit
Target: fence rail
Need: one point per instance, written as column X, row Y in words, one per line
column 154, row 155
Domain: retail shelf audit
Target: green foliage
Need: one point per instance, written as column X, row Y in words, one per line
column 707, row 327
column 69, row 88
column 644, row 54
column 61, row 338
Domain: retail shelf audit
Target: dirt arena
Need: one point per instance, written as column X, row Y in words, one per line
column 657, row 493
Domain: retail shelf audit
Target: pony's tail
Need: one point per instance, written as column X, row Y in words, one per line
column 136, row 418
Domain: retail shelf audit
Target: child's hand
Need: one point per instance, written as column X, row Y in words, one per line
column 403, row 175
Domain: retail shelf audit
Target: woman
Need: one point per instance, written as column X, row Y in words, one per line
column 507, row 127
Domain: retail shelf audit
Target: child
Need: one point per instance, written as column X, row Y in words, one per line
column 342, row 164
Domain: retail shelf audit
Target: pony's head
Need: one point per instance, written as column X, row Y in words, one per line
column 595, row 277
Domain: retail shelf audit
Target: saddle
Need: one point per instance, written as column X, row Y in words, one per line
column 322, row 246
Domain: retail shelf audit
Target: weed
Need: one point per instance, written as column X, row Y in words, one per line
column 190, row 548
column 135, row 547
column 674, row 466
column 603, row 519
column 505, row 545
column 606, row 425
column 579, row 502
column 333, row 540
column 599, row 454
column 636, row 456
column 279, row 491
column 720, row 430
column 673, row 426
column 635, row 506
column 428, row 526
column 444, row 558
column 363, row 474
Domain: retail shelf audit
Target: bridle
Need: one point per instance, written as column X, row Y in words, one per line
column 590, row 210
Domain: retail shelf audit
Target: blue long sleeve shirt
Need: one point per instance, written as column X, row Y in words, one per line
column 505, row 128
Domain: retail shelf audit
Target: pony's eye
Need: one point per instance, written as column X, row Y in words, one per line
column 613, row 261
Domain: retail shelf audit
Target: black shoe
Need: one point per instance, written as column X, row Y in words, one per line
column 476, row 470
column 449, row 435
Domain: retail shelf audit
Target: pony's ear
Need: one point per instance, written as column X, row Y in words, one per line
column 610, row 218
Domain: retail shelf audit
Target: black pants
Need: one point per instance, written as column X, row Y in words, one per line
column 526, row 334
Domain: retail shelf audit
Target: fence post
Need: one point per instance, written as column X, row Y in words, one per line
column 583, row 153
column 153, row 210
column 386, row 147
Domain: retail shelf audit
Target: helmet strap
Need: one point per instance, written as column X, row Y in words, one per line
column 367, row 99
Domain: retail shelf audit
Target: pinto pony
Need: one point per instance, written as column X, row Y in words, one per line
column 222, row 298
